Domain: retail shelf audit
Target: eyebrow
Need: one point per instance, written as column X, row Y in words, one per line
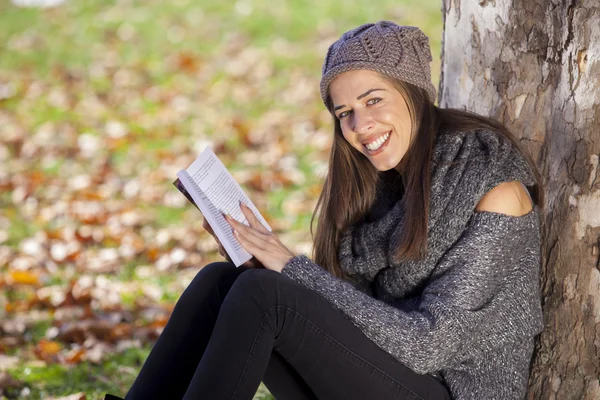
column 358, row 98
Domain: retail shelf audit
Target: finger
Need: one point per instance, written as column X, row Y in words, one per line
column 252, row 220
column 265, row 255
column 248, row 245
column 257, row 240
column 241, row 227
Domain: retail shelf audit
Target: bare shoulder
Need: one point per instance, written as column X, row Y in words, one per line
column 510, row 198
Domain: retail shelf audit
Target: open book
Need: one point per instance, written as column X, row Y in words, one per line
column 212, row 189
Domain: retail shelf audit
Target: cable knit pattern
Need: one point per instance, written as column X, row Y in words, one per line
column 469, row 311
column 399, row 51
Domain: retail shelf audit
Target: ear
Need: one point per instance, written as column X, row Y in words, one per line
column 510, row 198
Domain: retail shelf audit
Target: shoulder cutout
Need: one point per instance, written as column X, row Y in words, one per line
column 511, row 198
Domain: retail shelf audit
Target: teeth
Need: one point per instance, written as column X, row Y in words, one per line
column 377, row 144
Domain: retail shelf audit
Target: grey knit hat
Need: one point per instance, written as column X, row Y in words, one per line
column 398, row 51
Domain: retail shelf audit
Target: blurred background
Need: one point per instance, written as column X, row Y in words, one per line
column 101, row 103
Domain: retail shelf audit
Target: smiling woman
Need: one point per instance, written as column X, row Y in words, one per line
column 424, row 281
column 376, row 120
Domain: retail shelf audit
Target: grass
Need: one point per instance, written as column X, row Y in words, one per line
column 111, row 376
column 180, row 48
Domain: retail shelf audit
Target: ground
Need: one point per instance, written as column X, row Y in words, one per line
column 101, row 103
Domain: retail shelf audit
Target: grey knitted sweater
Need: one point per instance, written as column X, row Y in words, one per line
column 469, row 311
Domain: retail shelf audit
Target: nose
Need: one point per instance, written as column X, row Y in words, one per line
column 363, row 123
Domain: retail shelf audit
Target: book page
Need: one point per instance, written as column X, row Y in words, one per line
column 221, row 188
column 215, row 191
column 215, row 211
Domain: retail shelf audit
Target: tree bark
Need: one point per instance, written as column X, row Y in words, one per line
column 535, row 65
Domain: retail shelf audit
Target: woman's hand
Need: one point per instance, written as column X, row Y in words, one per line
column 252, row 263
column 259, row 242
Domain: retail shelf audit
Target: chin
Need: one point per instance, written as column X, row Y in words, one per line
column 382, row 168
column 385, row 165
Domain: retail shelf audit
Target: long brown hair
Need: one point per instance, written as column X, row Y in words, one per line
column 351, row 183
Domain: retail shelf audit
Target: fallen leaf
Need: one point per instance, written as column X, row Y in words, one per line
column 187, row 62
column 75, row 356
column 23, row 278
column 47, row 350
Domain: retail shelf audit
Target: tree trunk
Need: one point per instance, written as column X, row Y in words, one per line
column 535, row 65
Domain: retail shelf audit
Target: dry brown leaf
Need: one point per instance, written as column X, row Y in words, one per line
column 98, row 329
column 187, row 62
column 34, row 178
column 152, row 253
column 159, row 322
column 54, row 234
column 121, row 331
column 89, row 195
column 75, row 356
column 47, row 350
column 23, row 278
column 17, row 306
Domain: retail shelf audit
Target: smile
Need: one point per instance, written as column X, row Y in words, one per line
column 377, row 144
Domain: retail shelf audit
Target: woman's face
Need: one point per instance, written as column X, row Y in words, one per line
column 373, row 115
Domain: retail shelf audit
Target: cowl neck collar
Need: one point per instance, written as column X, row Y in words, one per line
column 465, row 165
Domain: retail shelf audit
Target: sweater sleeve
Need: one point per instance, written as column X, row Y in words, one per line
column 483, row 292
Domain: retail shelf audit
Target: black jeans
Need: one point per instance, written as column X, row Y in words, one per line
column 235, row 327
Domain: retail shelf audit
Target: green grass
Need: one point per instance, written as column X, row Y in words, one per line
column 167, row 215
column 111, row 376
column 20, row 228
column 75, row 34
column 71, row 47
column 38, row 330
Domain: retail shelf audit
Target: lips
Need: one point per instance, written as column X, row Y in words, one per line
column 381, row 147
column 374, row 137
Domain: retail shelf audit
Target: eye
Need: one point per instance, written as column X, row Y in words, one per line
column 374, row 100
column 343, row 114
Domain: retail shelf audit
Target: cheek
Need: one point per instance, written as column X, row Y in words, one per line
column 346, row 133
column 384, row 116
column 401, row 121
column 348, row 139
column 405, row 118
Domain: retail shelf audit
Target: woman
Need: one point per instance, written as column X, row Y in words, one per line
column 425, row 279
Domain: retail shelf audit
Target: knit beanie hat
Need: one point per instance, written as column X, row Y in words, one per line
column 398, row 51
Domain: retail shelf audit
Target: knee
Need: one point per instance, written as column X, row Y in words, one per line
column 213, row 276
column 216, row 270
column 260, row 285
column 259, row 277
